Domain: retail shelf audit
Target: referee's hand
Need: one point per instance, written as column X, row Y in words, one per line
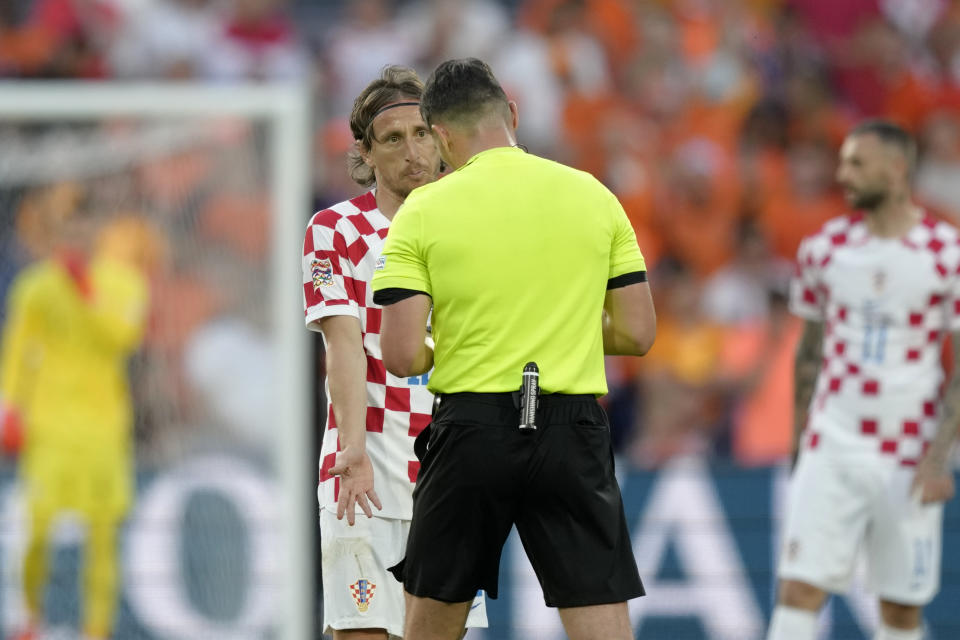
column 356, row 483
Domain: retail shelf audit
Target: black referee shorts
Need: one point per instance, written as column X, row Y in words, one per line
column 480, row 475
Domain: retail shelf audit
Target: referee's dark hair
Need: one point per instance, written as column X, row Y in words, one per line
column 461, row 91
column 893, row 135
column 396, row 83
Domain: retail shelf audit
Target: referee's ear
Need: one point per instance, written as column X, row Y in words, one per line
column 441, row 137
column 514, row 115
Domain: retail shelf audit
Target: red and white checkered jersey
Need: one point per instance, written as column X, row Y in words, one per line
column 340, row 251
column 886, row 305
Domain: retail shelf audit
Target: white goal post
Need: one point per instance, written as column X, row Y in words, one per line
column 285, row 109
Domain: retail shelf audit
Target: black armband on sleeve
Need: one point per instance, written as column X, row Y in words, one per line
column 389, row 296
column 628, row 278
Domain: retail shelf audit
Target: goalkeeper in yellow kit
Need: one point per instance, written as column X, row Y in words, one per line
column 72, row 323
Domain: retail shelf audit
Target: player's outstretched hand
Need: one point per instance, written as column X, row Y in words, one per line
column 356, row 483
column 933, row 482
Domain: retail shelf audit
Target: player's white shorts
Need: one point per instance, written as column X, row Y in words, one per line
column 839, row 505
column 358, row 591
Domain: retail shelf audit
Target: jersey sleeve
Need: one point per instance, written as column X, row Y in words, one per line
column 120, row 305
column 403, row 265
column 18, row 344
column 328, row 272
column 625, row 255
column 806, row 294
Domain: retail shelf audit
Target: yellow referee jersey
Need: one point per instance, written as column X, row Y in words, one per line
column 516, row 252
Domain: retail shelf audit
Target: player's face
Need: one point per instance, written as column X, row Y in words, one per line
column 402, row 153
column 865, row 171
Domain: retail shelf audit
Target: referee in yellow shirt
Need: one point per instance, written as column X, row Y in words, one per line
column 523, row 260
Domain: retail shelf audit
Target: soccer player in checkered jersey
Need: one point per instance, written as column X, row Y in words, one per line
column 878, row 290
column 367, row 455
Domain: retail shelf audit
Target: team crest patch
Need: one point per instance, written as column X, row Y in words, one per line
column 362, row 591
column 322, row 271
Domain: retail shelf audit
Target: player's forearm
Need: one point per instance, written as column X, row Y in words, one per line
column 805, row 371
column 346, row 363
column 346, row 379
column 939, row 450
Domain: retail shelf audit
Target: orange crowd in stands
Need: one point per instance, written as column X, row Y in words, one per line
column 716, row 122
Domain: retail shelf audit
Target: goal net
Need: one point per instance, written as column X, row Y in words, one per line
column 204, row 190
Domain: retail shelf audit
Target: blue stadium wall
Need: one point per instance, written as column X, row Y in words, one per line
column 201, row 560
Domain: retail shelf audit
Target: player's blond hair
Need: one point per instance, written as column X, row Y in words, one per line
column 395, row 83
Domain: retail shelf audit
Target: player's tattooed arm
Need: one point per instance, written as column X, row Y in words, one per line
column 934, row 479
column 806, row 368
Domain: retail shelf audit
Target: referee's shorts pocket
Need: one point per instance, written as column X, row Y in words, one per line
column 593, row 429
column 427, row 445
column 421, row 441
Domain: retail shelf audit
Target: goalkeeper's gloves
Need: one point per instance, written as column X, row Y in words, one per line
column 11, row 431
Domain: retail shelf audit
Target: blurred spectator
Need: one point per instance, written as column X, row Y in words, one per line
column 576, row 55
column 757, row 362
column 715, row 122
column 170, row 39
column 68, row 38
column 814, row 114
column 938, row 173
column 630, row 146
column 578, row 63
column 699, row 210
column 944, row 42
column 785, row 47
column 229, row 364
column 258, row 42
column 613, row 23
column 522, row 64
column 914, row 18
column 331, row 145
column 24, row 47
column 738, row 294
column 799, row 206
column 364, row 40
column 444, row 29
column 830, row 21
column 683, row 402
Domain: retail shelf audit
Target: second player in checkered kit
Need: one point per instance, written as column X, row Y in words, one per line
column 878, row 290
